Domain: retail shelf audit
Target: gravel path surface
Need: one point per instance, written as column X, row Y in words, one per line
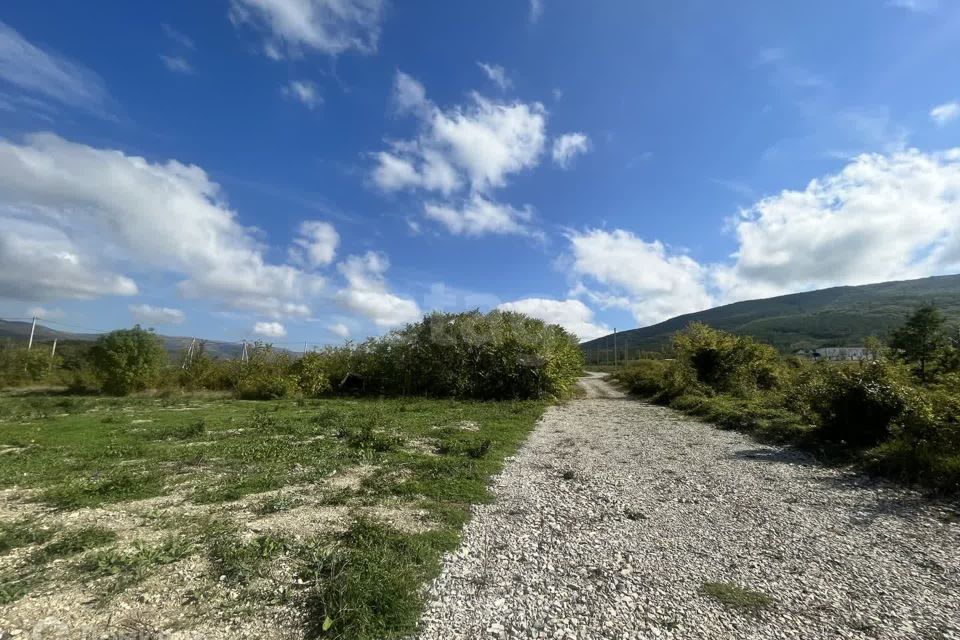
column 615, row 513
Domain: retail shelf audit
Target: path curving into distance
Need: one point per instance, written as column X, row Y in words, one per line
column 615, row 514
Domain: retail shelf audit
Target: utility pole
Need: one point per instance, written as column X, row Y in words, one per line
column 304, row 347
column 188, row 359
column 244, row 357
column 33, row 328
column 53, row 351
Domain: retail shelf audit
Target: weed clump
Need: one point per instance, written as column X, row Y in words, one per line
column 736, row 597
column 367, row 585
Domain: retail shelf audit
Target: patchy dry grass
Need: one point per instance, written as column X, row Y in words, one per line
column 737, row 597
column 202, row 514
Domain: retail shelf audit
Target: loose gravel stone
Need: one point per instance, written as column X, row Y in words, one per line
column 613, row 516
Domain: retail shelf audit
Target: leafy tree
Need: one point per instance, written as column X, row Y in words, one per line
column 127, row 360
column 922, row 339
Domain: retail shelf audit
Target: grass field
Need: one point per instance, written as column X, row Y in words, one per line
column 226, row 518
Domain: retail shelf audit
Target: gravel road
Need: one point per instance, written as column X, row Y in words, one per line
column 611, row 518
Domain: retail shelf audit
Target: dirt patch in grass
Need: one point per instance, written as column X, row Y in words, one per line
column 213, row 519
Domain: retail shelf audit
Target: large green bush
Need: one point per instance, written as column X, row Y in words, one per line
column 127, row 360
column 497, row 355
column 724, row 362
column 863, row 405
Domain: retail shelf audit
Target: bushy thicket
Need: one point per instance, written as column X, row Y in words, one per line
column 877, row 411
column 498, row 355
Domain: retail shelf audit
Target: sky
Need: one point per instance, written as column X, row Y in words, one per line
column 313, row 171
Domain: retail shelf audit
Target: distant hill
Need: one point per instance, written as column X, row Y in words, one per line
column 835, row 317
column 19, row 332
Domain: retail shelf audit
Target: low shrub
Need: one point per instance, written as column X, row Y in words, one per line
column 863, row 405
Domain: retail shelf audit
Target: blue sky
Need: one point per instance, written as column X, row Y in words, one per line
column 311, row 170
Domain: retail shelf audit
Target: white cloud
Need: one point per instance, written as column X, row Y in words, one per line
column 883, row 217
column 366, row 292
column 658, row 283
column 72, row 213
column 472, row 148
column 305, row 92
column 179, row 38
column 41, row 262
column 46, row 74
column 478, row 216
column 340, row 330
column 328, row 26
column 944, row 113
column 177, row 64
column 497, row 75
column 920, row 6
column 269, row 329
column 479, row 144
column 156, row 315
column 536, row 10
column 316, row 245
column 572, row 315
column 569, row 145
column 42, row 313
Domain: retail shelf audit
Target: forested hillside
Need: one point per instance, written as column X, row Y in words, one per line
column 836, row 317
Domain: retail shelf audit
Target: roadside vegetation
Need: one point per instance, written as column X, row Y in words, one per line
column 896, row 413
column 493, row 356
column 291, row 494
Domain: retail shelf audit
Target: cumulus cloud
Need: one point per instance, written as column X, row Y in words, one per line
column 72, row 213
column 43, row 313
column 304, row 92
column 657, row 282
column 882, row 217
column 568, row 146
column 497, row 75
column 478, row 216
column 572, row 315
column 479, row 144
column 147, row 314
column 472, row 148
column 366, row 292
column 340, row 330
column 316, row 244
column 269, row 329
column 177, row 64
column 41, row 262
column 944, row 113
column 328, row 26
column 46, row 74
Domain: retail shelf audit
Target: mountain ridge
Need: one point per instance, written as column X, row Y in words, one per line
column 841, row 316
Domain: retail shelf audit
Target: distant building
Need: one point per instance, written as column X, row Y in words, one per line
column 836, row 354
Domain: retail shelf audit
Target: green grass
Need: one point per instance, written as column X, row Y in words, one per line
column 14, row 535
column 737, row 597
column 368, row 586
column 86, row 452
column 71, row 543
